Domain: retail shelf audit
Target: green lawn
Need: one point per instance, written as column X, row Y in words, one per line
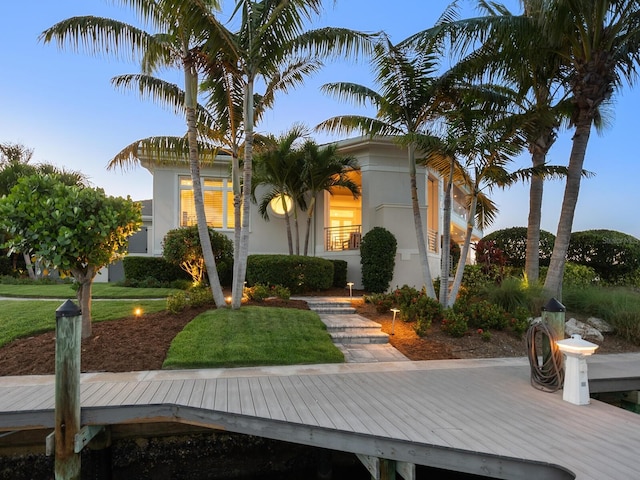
column 252, row 336
column 29, row 317
column 65, row 290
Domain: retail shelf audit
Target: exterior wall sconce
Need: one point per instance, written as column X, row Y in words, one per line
column 576, row 381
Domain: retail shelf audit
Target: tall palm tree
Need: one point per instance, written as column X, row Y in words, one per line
column 185, row 25
column 270, row 33
column 512, row 52
column 324, row 170
column 599, row 42
column 410, row 99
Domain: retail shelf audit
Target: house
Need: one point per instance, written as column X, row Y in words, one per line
column 340, row 220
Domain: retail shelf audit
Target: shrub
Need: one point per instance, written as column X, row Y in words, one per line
column 297, row 273
column 200, row 296
column 404, row 295
column 421, row 308
column 181, row 247
column 382, row 301
column 138, row 269
column 377, row 257
column 575, row 275
column 484, row 315
column 454, row 323
column 339, row 273
column 177, row 302
column 509, row 295
column 512, row 243
column 260, row 292
column 611, row 254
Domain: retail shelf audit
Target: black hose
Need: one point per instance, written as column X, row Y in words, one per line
column 546, row 373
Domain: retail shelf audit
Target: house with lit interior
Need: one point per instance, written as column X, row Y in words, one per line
column 340, row 221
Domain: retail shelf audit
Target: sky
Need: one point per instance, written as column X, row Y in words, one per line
column 62, row 105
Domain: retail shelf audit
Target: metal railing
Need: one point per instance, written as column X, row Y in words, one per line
column 342, row 238
column 432, row 240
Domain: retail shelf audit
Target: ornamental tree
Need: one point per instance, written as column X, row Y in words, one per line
column 76, row 230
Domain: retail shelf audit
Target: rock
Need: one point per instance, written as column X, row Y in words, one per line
column 600, row 325
column 573, row 326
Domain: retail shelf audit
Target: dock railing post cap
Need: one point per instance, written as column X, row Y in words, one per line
column 68, row 309
column 553, row 305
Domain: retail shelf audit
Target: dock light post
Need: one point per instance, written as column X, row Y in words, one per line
column 67, row 390
column 553, row 316
column 576, row 381
column 393, row 321
column 350, row 284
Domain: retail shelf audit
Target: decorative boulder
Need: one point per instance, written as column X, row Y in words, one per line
column 600, row 325
column 573, row 326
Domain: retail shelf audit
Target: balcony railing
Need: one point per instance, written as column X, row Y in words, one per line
column 342, row 238
column 432, row 239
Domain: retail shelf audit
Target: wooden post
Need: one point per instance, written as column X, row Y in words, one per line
column 67, row 393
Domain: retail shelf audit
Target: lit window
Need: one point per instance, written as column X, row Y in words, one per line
column 277, row 208
column 218, row 202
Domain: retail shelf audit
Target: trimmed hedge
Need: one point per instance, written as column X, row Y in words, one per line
column 339, row 273
column 297, row 273
column 142, row 268
column 613, row 255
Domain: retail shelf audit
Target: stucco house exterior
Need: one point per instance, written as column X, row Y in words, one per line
column 339, row 222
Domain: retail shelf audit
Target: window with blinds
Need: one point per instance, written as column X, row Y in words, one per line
column 218, row 202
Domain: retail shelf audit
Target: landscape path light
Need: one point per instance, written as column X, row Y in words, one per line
column 393, row 322
column 350, row 289
column 576, row 381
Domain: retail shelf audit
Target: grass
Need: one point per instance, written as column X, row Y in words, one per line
column 252, row 336
column 618, row 306
column 65, row 290
column 20, row 319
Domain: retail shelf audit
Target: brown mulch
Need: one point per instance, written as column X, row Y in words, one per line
column 134, row 344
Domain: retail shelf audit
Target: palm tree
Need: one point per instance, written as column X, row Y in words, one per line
column 410, row 99
column 599, row 42
column 270, row 33
column 185, row 25
column 278, row 164
column 325, row 170
column 513, row 53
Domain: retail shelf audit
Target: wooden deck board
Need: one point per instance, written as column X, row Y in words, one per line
column 482, row 408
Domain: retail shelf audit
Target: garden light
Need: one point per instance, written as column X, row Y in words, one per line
column 393, row 322
column 350, row 289
column 137, row 312
column 576, row 382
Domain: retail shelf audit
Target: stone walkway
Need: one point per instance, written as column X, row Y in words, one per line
column 360, row 339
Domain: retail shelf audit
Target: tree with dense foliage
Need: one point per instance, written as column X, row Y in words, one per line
column 513, row 243
column 181, row 246
column 76, row 230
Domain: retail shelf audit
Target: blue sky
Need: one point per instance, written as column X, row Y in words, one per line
column 62, row 105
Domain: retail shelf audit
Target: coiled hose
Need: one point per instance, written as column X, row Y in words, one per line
column 546, row 373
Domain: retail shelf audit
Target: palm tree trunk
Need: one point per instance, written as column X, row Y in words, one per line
column 191, row 85
column 312, row 204
column 457, row 281
column 553, row 282
column 287, row 222
column 240, row 270
column 237, row 207
column 445, row 249
column 417, row 220
column 532, row 261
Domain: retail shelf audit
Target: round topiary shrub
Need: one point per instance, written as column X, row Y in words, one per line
column 378, row 259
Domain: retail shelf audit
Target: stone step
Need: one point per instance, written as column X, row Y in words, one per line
column 356, row 336
column 333, row 309
column 341, row 323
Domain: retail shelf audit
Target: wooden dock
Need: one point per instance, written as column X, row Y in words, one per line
column 475, row 416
